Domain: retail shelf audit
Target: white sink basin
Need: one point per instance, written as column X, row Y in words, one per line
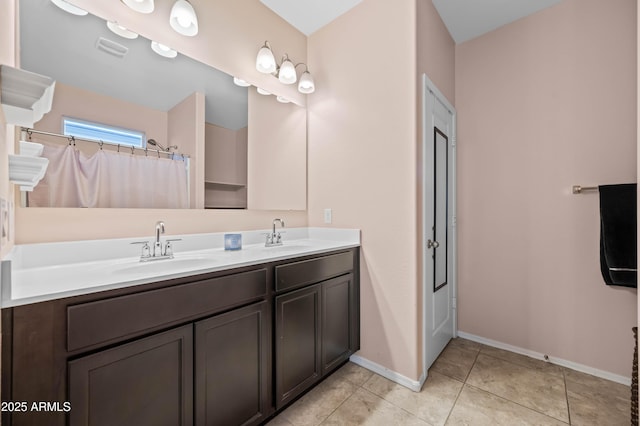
column 165, row 265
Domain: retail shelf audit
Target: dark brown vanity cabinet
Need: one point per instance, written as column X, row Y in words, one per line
column 317, row 324
column 224, row 348
column 232, row 367
column 117, row 386
column 160, row 354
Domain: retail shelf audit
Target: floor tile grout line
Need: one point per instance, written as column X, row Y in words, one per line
column 475, row 360
column 347, row 398
column 516, row 402
column 566, row 394
column 464, row 382
column 397, row 406
column 453, row 406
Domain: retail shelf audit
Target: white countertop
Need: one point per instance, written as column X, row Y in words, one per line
column 33, row 273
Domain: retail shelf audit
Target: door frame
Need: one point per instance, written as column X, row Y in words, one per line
column 427, row 135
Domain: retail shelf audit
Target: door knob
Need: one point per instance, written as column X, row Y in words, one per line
column 433, row 244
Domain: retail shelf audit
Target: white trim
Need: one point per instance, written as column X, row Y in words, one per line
column 540, row 356
column 398, row 378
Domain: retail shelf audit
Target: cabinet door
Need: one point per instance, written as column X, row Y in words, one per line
column 337, row 314
column 233, row 377
column 147, row 382
column 297, row 342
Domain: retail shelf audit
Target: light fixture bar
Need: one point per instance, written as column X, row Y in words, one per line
column 286, row 71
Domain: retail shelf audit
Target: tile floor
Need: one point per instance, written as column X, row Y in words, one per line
column 469, row 384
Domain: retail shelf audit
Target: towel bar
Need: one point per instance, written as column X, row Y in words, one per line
column 577, row 189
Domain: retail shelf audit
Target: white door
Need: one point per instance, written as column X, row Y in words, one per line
column 438, row 239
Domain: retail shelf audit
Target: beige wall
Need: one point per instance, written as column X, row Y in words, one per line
column 362, row 160
column 543, row 104
column 230, row 35
column 185, row 128
column 277, row 154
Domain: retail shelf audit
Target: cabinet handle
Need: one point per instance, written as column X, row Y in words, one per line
column 432, row 244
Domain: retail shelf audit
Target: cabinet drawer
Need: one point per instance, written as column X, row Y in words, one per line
column 298, row 274
column 110, row 320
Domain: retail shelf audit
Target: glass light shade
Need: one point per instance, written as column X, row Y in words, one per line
column 262, row 91
column 68, row 7
column 142, row 6
column 287, row 73
column 282, row 99
column 183, row 18
column 163, row 50
column 306, row 84
column 121, row 31
column 265, row 62
column 240, row 82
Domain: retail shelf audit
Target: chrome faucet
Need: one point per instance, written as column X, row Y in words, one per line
column 159, row 251
column 157, row 247
column 274, row 239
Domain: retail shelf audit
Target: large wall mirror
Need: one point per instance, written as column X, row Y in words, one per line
column 205, row 141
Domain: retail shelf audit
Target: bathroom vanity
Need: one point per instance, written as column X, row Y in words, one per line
column 228, row 344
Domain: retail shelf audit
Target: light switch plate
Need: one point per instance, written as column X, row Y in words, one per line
column 327, row 216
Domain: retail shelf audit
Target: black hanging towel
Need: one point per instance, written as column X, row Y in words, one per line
column 618, row 238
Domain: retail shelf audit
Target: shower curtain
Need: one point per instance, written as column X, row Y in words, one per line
column 111, row 179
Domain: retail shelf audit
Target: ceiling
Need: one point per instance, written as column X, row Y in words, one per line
column 310, row 15
column 465, row 19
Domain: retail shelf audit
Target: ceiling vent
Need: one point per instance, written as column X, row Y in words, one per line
column 111, row 47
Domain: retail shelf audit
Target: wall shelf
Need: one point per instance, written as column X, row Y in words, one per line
column 229, row 184
column 28, row 168
column 25, row 96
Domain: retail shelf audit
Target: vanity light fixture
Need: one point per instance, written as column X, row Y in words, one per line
column 286, row 71
column 142, row 6
column 265, row 62
column 68, row 7
column 183, row 18
column 262, row 91
column 240, row 82
column 306, row 84
column 163, row 50
column 121, row 31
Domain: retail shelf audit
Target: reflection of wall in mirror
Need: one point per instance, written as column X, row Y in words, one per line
column 277, row 163
column 225, row 167
column 168, row 128
column 185, row 128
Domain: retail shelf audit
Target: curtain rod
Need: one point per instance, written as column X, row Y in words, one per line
column 577, row 189
column 73, row 139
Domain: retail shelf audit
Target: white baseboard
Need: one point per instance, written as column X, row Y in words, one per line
column 398, row 378
column 558, row 361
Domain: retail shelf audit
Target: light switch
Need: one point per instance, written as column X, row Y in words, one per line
column 327, row 215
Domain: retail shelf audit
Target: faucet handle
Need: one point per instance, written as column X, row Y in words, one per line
column 168, row 247
column 146, row 250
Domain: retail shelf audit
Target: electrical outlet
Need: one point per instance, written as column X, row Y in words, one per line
column 327, row 215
